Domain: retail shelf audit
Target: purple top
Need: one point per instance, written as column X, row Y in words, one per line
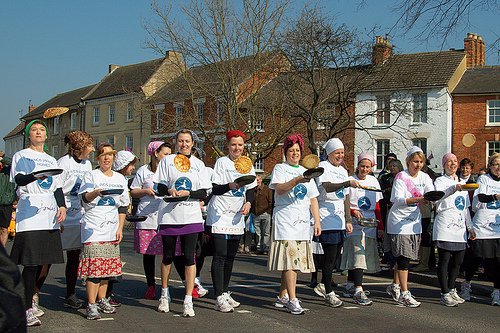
column 181, row 229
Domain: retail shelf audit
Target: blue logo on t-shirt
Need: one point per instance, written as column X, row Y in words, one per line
column 364, row 203
column 76, row 187
column 239, row 192
column 460, row 203
column 106, row 201
column 340, row 193
column 45, row 183
column 300, row 191
column 493, row 205
column 183, row 183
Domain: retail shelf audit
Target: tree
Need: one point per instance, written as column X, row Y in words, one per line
column 228, row 57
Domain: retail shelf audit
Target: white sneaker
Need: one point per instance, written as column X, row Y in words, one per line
column 407, row 300
column 164, row 305
column 320, row 290
column 223, row 305
column 188, row 310
column 332, row 300
column 230, row 300
column 281, row 301
column 293, row 306
column 456, row 298
column 465, row 291
column 447, row 300
column 199, row 288
column 495, row 297
column 37, row 311
column 394, row 291
column 31, row 319
column 361, row 298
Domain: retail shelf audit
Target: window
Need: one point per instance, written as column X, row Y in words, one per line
column 179, row 109
column 220, row 112
column 73, row 121
column 200, row 113
column 220, row 144
column 129, row 142
column 259, row 119
column 383, row 110
column 325, row 116
column 493, row 147
column 111, row 140
column 130, row 111
column 383, row 148
column 96, row 115
column 422, row 143
column 111, row 113
column 55, row 151
column 200, row 149
column 420, row 108
column 259, row 162
column 493, row 111
column 159, row 119
column 55, row 129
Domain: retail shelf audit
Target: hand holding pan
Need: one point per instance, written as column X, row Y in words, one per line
column 433, row 195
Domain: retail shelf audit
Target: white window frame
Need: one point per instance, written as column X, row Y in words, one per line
column 493, row 104
column 160, row 113
column 220, row 144
column 179, row 110
column 418, row 142
column 130, row 112
column 381, row 153
column 385, row 109
column 129, row 142
column 259, row 162
column 200, row 113
column 73, row 120
column 55, row 151
column 490, row 150
column 111, row 114
column 419, row 108
column 96, row 115
column 55, row 125
column 111, row 140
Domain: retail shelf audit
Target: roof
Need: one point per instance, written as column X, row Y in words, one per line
column 416, row 70
column 125, row 79
column 19, row 129
column 69, row 99
column 480, row 80
column 209, row 80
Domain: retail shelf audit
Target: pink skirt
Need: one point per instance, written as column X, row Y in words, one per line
column 147, row 241
column 100, row 260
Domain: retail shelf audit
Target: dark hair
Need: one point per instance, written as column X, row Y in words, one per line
column 466, row 161
column 184, row 131
column 163, row 145
column 398, row 164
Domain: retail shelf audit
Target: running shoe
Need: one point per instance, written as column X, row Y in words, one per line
column 150, row 292
column 495, row 297
column 223, row 305
column 93, row 312
column 407, row 300
column 361, row 299
column 113, row 301
column 31, row 319
column 37, row 310
column 332, row 300
column 447, row 300
column 394, row 291
column 230, row 300
column 188, row 310
column 351, row 291
column 73, row 302
column 199, row 288
column 281, row 301
column 293, row 306
column 454, row 295
column 320, row 290
column 164, row 304
column 104, row 305
column 465, row 290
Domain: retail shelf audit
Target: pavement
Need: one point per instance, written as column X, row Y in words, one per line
column 256, row 288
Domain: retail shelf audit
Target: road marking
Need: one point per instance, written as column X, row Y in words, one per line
column 243, row 311
column 104, row 319
column 351, row 307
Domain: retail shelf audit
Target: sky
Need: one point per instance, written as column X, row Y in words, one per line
column 53, row 46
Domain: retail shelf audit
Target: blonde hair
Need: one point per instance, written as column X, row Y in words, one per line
column 492, row 158
column 417, row 153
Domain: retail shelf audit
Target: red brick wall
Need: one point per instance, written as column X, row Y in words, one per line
column 469, row 116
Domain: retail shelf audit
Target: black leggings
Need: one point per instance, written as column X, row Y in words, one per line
column 188, row 247
column 492, row 270
column 179, row 265
column 355, row 276
column 148, row 262
column 29, row 279
column 71, row 272
column 403, row 263
column 470, row 264
column 448, row 268
column 222, row 263
column 331, row 252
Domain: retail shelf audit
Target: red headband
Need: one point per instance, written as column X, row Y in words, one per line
column 292, row 139
column 233, row 133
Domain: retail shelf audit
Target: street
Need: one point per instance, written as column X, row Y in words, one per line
column 255, row 287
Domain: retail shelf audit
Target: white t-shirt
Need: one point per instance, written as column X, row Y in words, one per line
column 366, row 202
column 148, row 205
column 291, row 215
column 37, row 207
column 331, row 205
column 452, row 213
column 100, row 220
column 197, row 178
column 224, row 211
column 403, row 219
column 71, row 180
column 486, row 222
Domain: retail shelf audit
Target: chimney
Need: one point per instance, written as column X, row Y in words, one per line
column 382, row 50
column 474, row 50
column 112, row 67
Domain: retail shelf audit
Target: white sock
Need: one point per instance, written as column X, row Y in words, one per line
column 188, row 299
column 164, row 292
